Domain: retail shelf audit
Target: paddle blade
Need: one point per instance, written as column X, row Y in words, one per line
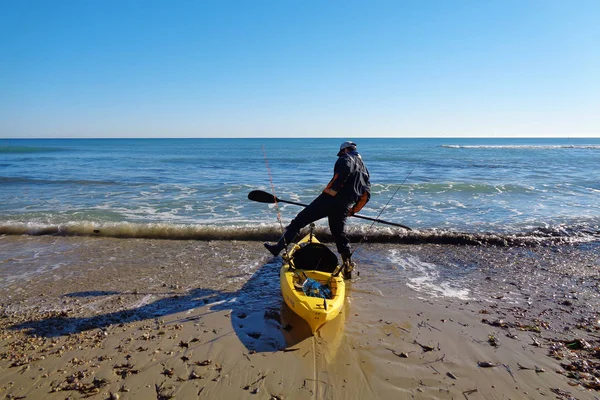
column 261, row 197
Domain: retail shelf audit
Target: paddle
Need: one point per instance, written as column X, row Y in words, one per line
column 264, row 197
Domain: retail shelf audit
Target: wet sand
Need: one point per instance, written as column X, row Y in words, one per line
column 159, row 319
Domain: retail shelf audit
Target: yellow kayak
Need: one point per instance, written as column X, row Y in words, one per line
column 307, row 284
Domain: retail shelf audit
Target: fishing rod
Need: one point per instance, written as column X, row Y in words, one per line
column 381, row 212
column 272, row 188
column 276, row 201
column 338, row 269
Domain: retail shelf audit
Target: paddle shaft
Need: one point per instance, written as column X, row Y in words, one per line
column 266, row 195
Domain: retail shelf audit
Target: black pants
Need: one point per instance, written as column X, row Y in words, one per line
column 335, row 209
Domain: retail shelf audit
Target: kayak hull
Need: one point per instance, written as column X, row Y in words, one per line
column 297, row 266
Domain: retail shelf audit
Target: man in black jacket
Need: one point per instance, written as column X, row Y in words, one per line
column 346, row 194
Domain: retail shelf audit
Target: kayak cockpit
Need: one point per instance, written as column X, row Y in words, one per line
column 314, row 257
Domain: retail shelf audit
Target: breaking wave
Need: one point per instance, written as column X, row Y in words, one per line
column 526, row 146
column 262, row 232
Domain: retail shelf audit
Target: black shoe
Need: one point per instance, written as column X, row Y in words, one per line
column 273, row 249
column 347, row 275
column 348, row 268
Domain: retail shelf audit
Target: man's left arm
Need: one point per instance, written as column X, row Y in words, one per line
column 360, row 203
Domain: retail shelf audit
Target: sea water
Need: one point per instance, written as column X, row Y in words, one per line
column 512, row 192
column 178, row 188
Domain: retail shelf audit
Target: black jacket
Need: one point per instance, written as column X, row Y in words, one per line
column 351, row 180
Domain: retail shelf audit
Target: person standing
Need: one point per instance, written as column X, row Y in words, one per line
column 346, row 194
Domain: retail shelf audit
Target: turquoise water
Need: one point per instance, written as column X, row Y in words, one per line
column 171, row 187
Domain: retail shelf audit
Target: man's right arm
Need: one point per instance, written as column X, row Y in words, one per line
column 341, row 171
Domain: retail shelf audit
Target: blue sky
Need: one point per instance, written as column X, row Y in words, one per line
column 255, row 68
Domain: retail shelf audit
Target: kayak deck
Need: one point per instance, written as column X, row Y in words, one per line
column 311, row 259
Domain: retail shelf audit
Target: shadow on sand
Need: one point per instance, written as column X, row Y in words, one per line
column 259, row 317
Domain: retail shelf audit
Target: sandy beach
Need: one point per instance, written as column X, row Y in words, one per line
column 113, row 318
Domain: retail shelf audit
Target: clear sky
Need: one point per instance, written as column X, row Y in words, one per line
column 302, row 68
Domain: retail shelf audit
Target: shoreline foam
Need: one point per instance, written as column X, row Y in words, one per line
column 261, row 232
